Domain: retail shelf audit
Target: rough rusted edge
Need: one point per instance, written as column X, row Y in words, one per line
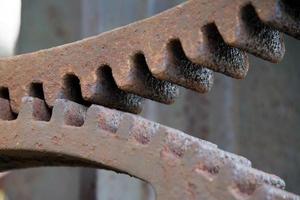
column 149, row 57
column 177, row 165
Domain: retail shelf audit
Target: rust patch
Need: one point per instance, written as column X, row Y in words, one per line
column 181, row 46
column 135, row 146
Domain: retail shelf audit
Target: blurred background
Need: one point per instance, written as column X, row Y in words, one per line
column 258, row 118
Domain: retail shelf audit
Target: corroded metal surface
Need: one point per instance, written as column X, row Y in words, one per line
column 177, row 165
column 149, row 58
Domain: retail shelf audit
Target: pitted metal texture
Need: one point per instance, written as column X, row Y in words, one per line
column 148, row 59
column 50, row 100
column 177, row 165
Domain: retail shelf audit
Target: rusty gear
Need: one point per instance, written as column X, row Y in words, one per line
column 117, row 69
column 148, row 58
column 177, row 165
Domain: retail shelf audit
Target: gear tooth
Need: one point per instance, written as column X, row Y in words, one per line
column 231, row 29
column 264, row 178
column 193, row 46
column 208, row 48
column 267, row 11
column 261, row 39
column 237, row 159
column 58, row 111
column 203, row 170
column 66, row 112
column 209, row 42
column 224, row 181
column 5, row 110
column 15, row 98
column 143, row 130
column 107, row 93
column 137, row 79
column 268, row 192
column 190, row 157
column 170, row 63
column 158, row 140
column 247, row 32
column 125, row 126
column 52, row 91
column 88, row 85
column 103, row 118
column 244, row 181
column 92, row 117
column 34, row 109
column 157, row 60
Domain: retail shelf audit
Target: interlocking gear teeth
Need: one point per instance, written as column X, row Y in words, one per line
column 102, row 91
column 214, row 35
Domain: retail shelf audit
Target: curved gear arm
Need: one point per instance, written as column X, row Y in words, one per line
column 149, row 58
column 178, row 166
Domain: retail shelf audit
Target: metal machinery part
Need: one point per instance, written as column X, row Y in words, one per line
column 177, row 165
column 44, row 97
